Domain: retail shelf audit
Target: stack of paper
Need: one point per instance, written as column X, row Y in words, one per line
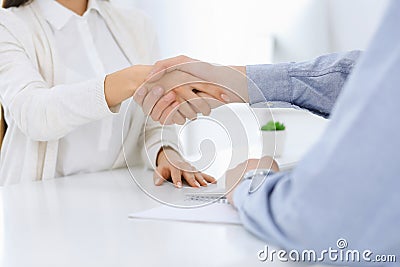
column 212, row 213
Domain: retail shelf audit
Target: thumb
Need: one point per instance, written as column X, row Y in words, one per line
column 157, row 177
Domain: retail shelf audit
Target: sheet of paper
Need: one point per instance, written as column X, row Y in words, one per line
column 213, row 213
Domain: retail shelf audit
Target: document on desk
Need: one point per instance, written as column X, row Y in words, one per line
column 212, row 213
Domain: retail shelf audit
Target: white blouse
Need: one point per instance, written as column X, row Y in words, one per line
column 87, row 50
column 56, row 126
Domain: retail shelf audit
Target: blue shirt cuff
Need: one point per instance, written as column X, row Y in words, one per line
column 268, row 82
column 241, row 193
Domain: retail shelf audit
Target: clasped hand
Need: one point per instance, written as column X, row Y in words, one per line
column 180, row 88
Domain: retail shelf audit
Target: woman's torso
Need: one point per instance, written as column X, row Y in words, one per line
column 133, row 37
column 86, row 50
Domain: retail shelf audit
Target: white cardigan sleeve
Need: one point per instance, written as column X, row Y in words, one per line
column 41, row 112
column 156, row 135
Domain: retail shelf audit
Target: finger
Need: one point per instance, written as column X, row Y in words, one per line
column 178, row 118
column 198, row 104
column 199, row 177
column 190, row 179
column 161, row 105
column 157, row 177
column 211, row 101
column 212, row 90
column 168, row 114
column 176, row 177
column 139, row 95
column 209, row 178
column 151, row 99
column 186, row 110
column 222, row 78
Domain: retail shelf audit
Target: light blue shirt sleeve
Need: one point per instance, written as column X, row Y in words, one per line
column 347, row 186
column 313, row 85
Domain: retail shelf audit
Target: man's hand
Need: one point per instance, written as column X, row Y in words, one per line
column 170, row 165
column 234, row 176
column 181, row 96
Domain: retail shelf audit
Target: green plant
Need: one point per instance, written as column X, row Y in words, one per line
column 273, row 126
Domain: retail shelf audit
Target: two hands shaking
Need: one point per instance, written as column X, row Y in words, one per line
column 177, row 89
column 172, row 91
column 189, row 87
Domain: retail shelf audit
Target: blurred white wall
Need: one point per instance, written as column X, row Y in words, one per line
column 239, row 32
column 218, row 31
column 261, row 31
column 253, row 32
column 353, row 23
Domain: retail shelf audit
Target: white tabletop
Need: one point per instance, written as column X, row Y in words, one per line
column 83, row 221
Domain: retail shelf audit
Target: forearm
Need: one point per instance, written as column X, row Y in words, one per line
column 122, row 84
column 314, row 85
column 46, row 112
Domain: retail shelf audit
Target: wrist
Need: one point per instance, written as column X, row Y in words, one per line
column 241, row 69
column 121, row 85
column 161, row 153
column 240, row 85
column 138, row 74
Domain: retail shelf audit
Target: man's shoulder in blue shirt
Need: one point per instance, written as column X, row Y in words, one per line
column 347, row 185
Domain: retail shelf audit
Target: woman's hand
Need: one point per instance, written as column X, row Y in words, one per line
column 234, row 176
column 131, row 81
column 177, row 91
column 170, row 165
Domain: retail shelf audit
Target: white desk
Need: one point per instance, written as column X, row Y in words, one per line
column 83, row 221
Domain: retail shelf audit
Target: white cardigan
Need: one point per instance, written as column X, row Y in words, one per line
column 38, row 117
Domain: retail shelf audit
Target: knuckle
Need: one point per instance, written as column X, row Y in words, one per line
column 153, row 117
column 179, row 89
column 190, row 178
column 159, row 64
